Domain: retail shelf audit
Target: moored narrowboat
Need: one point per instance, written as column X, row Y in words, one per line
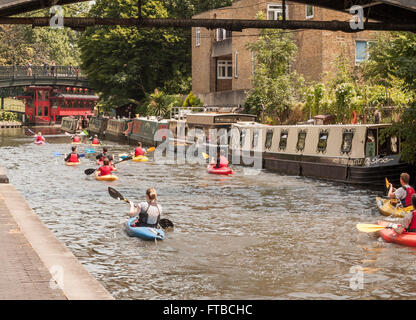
column 149, row 131
column 346, row 153
column 116, row 129
column 69, row 124
column 97, row 125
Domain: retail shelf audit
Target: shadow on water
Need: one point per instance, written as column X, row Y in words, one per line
column 265, row 236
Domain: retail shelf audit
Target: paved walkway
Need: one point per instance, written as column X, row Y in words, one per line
column 31, row 256
column 22, row 273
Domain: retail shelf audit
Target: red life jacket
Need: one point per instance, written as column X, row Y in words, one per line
column 412, row 224
column 408, row 200
column 73, row 158
column 105, row 170
column 139, row 152
column 95, row 141
column 39, row 138
column 76, row 139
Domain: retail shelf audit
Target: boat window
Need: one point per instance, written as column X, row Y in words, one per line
column 283, row 140
column 255, row 138
column 301, row 140
column 370, row 144
column 323, row 140
column 347, row 141
column 269, row 139
column 243, row 137
column 389, row 146
column 394, row 144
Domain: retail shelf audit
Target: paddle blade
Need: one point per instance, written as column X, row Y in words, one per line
column 166, row 223
column 82, row 155
column 387, row 183
column 151, row 149
column 89, row 150
column 85, row 132
column 57, row 154
column 115, row 194
column 365, row 227
column 206, row 156
column 89, row 171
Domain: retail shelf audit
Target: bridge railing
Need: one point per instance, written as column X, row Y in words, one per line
column 8, row 72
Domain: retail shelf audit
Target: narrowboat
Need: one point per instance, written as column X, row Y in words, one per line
column 346, row 153
column 69, row 124
column 148, row 130
column 117, row 129
column 97, row 125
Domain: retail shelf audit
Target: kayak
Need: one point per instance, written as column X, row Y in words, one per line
column 140, row 159
column 39, row 143
column 123, row 156
column 144, row 233
column 109, row 177
column 72, row 163
column 386, row 208
column 222, row 170
column 389, row 235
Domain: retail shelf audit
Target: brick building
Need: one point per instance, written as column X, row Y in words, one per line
column 222, row 66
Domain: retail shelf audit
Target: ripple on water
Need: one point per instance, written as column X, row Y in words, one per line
column 265, row 236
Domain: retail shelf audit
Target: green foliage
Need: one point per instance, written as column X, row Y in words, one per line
column 192, row 101
column 8, row 116
column 276, row 88
column 159, row 104
column 315, row 95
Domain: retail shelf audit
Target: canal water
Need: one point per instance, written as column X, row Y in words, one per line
column 265, row 236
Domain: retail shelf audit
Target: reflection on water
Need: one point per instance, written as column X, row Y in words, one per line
column 266, row 236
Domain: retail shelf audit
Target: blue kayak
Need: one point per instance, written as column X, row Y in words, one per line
column 144, row 233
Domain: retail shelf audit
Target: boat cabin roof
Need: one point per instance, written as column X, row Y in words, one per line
column 218, row 118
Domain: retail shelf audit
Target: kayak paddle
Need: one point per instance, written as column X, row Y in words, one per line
column 89, row 150
column 365, row 227
column 57, row 154
column 164, row 223
column 151, row 149
column 206, row 156
column 91, row 171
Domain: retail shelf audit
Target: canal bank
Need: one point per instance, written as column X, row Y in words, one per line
column 35, row 264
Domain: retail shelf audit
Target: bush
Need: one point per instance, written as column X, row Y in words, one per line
column 8, row 116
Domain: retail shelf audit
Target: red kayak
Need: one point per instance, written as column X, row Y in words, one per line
column 405, row 239
column 223, row 170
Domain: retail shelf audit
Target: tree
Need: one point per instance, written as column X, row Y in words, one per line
column 275, row 86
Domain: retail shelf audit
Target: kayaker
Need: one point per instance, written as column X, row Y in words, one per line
column 404, row 193
column 139, row 151
column 95, row 140
column 73, row 156
column 75, row 138
column 148, row 212
column 221, row 161
column 39, row 137
column 408, row 223
column 104, row 154
column 105, row 169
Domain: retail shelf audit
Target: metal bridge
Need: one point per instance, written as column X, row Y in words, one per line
column 399, row 15
column 21, row 76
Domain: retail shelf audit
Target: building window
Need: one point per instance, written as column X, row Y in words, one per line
column 275, row 11
column 269, row 139
column 283, row 140
column 323, row 141
column 301, row 140
column 236, row 65
column 223, row 34
column 309, row 11
column 197, row 36
column 224, row 69
column 361, row 51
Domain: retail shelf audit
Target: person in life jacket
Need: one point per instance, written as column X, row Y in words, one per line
column 75, row 138
column 104, row 155
column 139, row 151
column 408, row 223
column 95, row 140
column 148, row 212
column 105, row 169
column 404, row 193
column 39, row 137
column 221, row 161
column 73, row 156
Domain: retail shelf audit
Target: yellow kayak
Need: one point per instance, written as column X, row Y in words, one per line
column 109, row 177
column 72, row 163
column 387, row 207
column 140, row 159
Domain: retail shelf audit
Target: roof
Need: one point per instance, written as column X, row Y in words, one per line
column 76, row 96
column 12, row 7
